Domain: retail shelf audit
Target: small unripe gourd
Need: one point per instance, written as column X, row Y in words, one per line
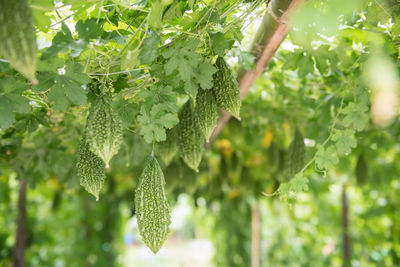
column 90, row 169
column 297, row 154
column 225, row 89
column 207, row 112
column 167, row 149
column 104, row 130
column 191, row 139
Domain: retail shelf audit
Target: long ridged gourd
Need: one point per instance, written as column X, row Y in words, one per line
column 151, row 204
column 167, row 149
column 90, row 169
column 296, row 154
column 361, row 171
column 191, row 140
column 207, row 112
column 17, row 37
column 104, row 129
column 226, row 89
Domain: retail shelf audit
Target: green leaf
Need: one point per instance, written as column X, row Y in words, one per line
column 89, row 29
column 64, row 42
column 174, row 11
column 58, row 97
column 155, row 18
column 292, row 59
column 41, row 13
column 46, row 81
column 306, row 65
column 12, row 101
column 65, row 89
column 158, row 94
column 127, row 111
column 149, row 50
column 42, row 21
column 326, row 159
column 299, row 183
column 203, row 75
column 356, row 115
column 61, row 42
column 19, row 103
column 158, row 111
column 323, row 56
column 154, row 123
column 246, row 60
column 284, row 191
column 130, row 60
column 190, row 67
column 345, row 141
column 7, row 117
column 220, row 44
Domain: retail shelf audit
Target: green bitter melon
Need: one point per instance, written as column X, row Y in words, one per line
column 207, row 112
column 191, row 140
column 167, row 149
column 90, row 169
column 296, row 154
column 17, row 37
column 361, row 171
column 151, row 204
column 104, row 129
column 226, row 89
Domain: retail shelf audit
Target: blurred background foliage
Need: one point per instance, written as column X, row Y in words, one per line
column 338, row 52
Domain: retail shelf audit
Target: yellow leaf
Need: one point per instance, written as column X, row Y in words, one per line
column 286, row 126
column 267, row 139
column 234, row 193
column 225, row 147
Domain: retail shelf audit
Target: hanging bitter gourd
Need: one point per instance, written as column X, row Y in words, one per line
column 191, row 140
column 167, row 149
column 90, row 169
column 207, row 112
column 226, row 89
column 17, row 37
column 151, row 204
column 296, row 154
column 361, row 171
column 104, row 129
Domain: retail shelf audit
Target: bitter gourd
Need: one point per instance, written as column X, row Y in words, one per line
column 225, row 88
column 90, row 169
column 296, row 154
column 361, row 171
column 151, row 204
column 167, row 149
column 191, row 140
column 104, row 129
column 207, row 112
column 17, row 37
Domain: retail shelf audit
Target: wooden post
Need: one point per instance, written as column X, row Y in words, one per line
column 272, row 31
column 255, row 236
column 19, row 250
column 345, row 228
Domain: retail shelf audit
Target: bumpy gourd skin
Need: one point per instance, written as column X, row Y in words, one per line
column 191, row 140
column 17, row 37
column 104, row 130
column 225, row 89
column 207, row 112
column 167, row 149
column 297, row 153
column 90, row 169
column 151, row 204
